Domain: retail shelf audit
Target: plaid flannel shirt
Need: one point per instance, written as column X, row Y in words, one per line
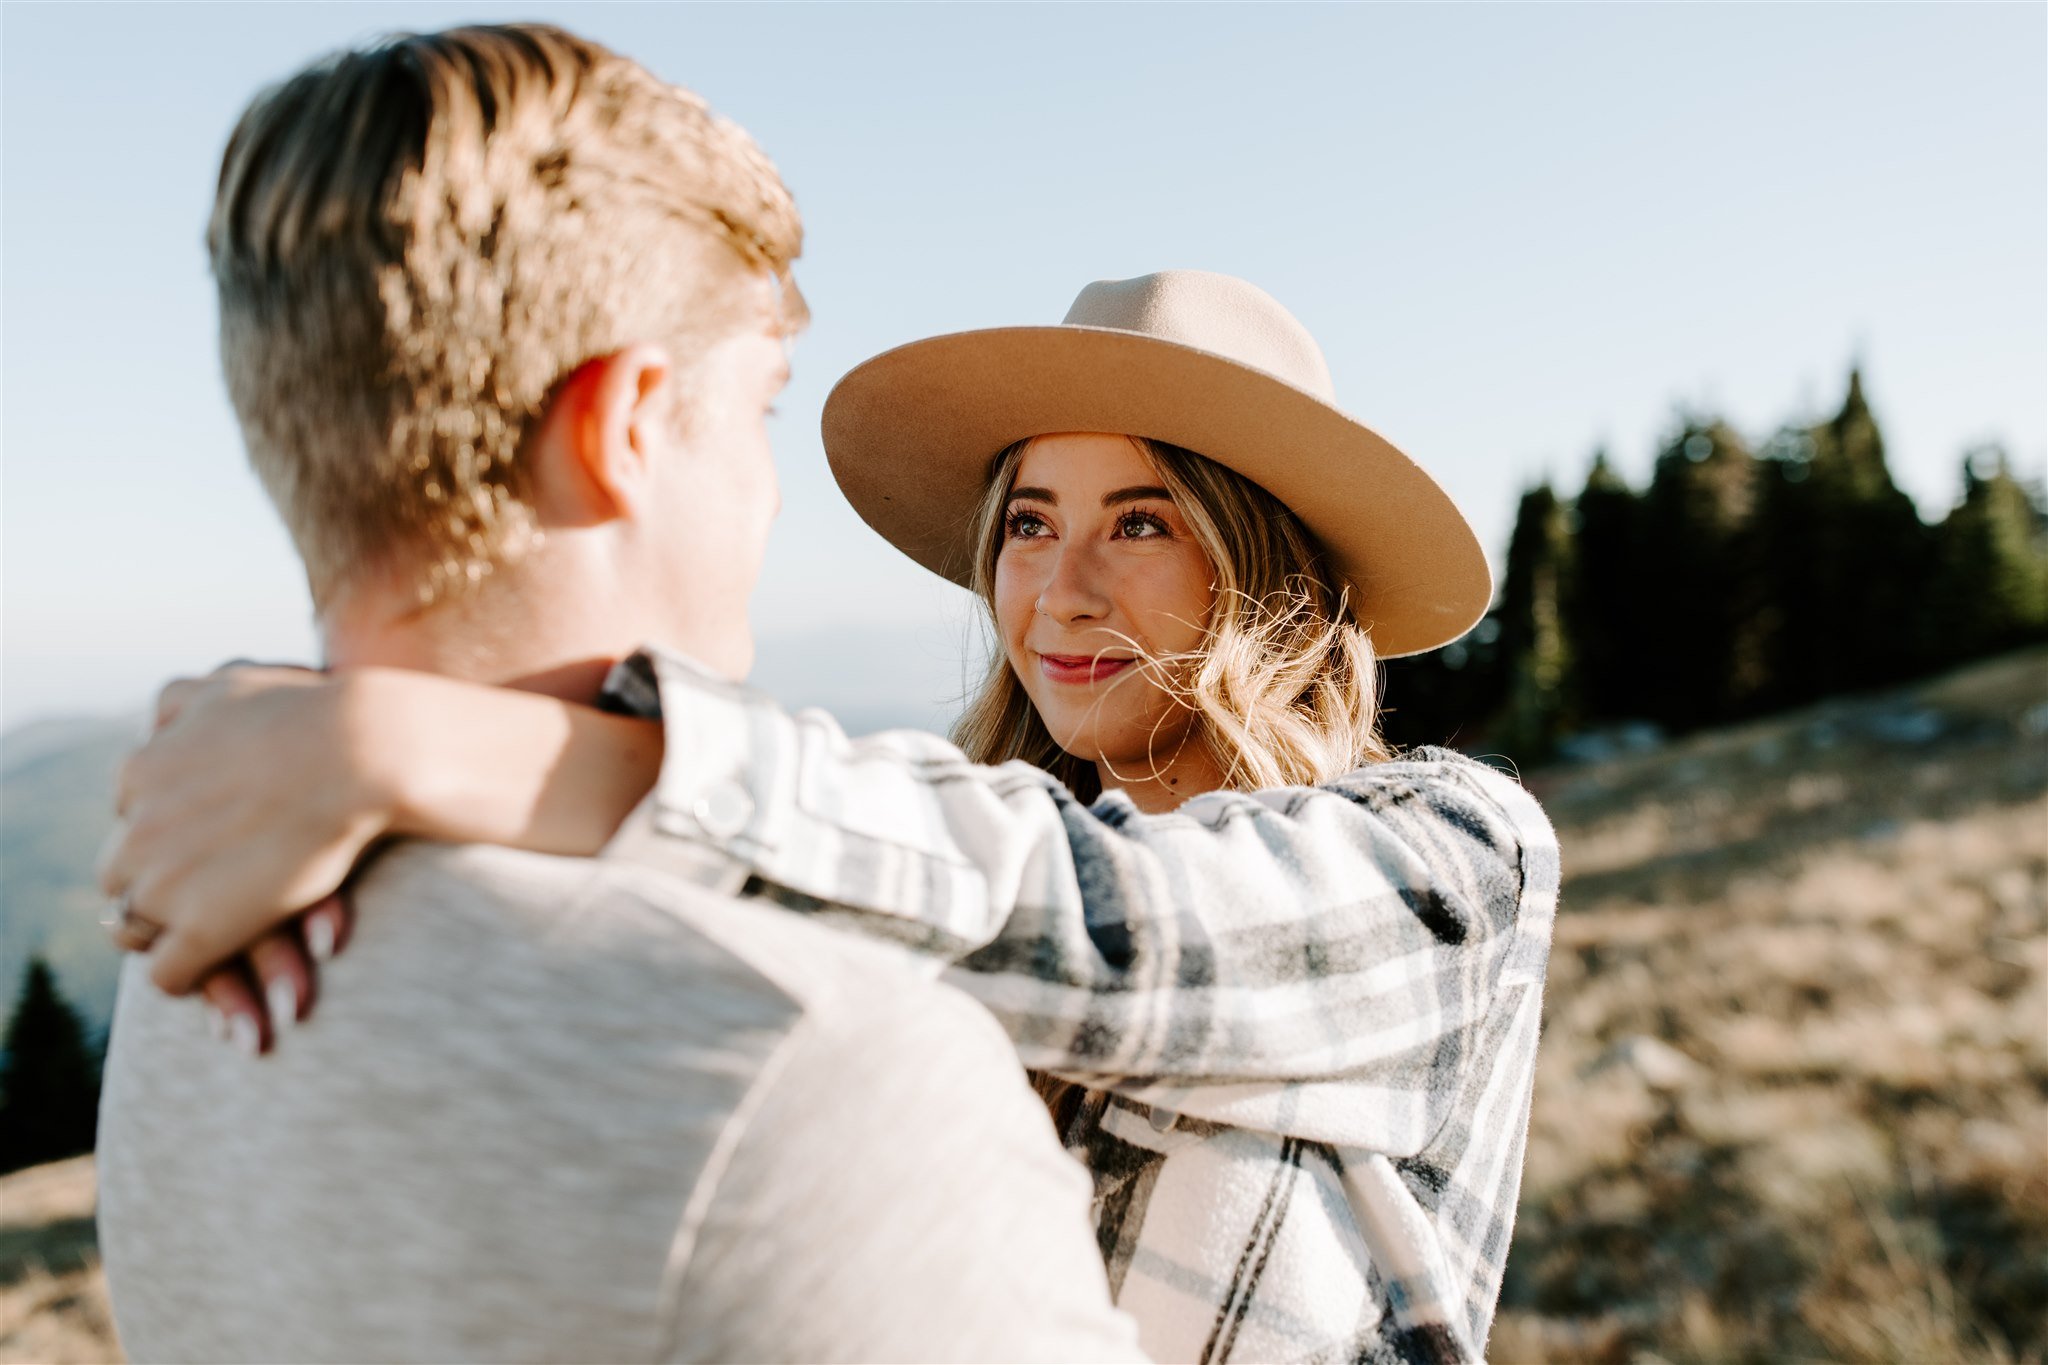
column 1306, row 1017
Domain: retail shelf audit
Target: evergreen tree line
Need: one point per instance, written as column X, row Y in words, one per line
column 1738, row 583
column 49, row 1077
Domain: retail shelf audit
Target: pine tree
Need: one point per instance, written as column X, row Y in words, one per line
column 1535, row 644
column 1849, row 448
column 1784, row 600
column 49, row 1082
column 1849, row 561
column 1692, row 565
column 1449, row 696
column 1990, row 589
column 1606, row 609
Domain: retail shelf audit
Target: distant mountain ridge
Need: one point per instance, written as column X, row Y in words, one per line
column 56, row 809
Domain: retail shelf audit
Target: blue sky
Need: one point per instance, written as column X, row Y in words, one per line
column 1519, row 232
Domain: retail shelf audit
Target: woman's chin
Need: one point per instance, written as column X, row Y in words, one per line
column 1074, row 747
column 1126, row 758
column 1135, row 747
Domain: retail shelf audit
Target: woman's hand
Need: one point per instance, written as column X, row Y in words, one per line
column 258, row 793
column 252, row 999
column 263, row 787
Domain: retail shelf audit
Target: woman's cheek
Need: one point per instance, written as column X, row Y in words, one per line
column 1179, row 600
column 1014, row 602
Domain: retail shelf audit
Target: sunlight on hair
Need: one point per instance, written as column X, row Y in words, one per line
column 416, row 242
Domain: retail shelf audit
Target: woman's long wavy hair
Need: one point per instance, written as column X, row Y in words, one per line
column 1282, row 683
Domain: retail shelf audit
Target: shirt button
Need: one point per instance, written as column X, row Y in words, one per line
column 1163, row 1119
column 723, row 810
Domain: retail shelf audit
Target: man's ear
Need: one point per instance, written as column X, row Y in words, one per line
column 606, row 432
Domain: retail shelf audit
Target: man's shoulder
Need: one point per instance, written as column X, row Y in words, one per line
column 481, row 967
column 499, row 971
column 516, row 1075
column 584, row 915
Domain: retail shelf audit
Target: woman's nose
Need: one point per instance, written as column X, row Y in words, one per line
column 1073, row 590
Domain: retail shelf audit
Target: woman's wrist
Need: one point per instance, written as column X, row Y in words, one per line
column 385, row 725
column 431, row 757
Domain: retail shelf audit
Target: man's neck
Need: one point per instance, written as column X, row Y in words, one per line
column 501, row 638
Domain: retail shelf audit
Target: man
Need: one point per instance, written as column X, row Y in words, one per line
column 501, row 316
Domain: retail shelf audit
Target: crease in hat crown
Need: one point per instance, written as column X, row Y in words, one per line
column 1220, row 314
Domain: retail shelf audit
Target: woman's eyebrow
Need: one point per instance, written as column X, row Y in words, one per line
column 1137, row 494
column 1034, row 494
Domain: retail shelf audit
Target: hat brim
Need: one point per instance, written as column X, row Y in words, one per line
column 910, row 433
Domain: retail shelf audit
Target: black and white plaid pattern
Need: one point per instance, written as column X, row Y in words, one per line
column 1306, row 1017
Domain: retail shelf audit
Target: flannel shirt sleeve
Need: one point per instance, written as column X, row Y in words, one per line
column 1317, row 961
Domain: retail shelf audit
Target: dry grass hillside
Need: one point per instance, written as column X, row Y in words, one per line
column 53, row 1299
column 1793, row 1096
column 1793, row 1100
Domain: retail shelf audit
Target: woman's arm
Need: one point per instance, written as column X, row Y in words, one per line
column 1231, row 959
column 464, row 763
column 1313, row 960
column 263, row 787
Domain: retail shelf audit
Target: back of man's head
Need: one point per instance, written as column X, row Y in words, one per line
column 417, row 242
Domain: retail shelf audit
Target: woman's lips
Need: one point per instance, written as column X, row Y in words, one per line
column 1081, row 668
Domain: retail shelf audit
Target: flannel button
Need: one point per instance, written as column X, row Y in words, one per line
column 723, row 810
column 1162, row 1119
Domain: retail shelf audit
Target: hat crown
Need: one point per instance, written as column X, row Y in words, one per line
column 1217, row 313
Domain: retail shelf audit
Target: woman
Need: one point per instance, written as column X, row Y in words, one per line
column 1289, row 988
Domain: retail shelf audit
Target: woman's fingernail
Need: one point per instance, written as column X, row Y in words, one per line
column 284, row 1003
column 320, row 937
column 248, row 1039
column 217, row 1021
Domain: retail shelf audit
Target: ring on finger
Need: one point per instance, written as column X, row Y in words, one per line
column 132, row 931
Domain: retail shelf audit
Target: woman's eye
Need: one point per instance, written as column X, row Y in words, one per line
column 1140, row 526
column 1024, row 526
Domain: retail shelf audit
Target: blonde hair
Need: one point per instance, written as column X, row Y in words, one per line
column 417, row 242
column 1282, row 683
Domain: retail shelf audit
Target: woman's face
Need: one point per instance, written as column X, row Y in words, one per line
column 1097, row 566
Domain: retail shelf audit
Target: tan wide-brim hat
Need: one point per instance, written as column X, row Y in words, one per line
column 1197, row 360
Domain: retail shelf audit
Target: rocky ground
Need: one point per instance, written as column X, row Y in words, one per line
column 1793, row 1097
